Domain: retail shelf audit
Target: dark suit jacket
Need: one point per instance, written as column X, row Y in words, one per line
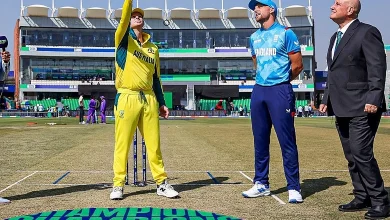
column 357, row 72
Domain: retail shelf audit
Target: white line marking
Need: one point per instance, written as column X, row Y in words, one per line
column 273, row 196
column 174, row 171
column 279, row 200
column 246, row 176
column 110, row 185
column 17, row 182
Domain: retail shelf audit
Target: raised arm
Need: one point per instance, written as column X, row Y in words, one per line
column 125, row 21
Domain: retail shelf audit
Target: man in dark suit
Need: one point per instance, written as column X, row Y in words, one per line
column 4, row 69
column 354, row 93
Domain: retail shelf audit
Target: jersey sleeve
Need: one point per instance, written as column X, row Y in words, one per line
column 157, row 86
column 292, row 42
column 124, row 22
column 251, row 46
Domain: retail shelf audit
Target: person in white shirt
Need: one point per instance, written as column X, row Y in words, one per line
column 300, row 110
column 40, row 110
column 306, row 113
column 81, row 107
column 241, row 110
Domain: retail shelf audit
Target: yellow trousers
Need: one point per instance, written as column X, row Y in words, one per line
column 134, row 109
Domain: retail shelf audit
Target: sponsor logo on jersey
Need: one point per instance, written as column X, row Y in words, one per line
column 265, row 52
column 143, row 57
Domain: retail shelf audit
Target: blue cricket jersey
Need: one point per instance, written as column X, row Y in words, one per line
column 271, row 47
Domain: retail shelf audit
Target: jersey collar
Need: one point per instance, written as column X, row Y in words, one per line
column 145, row 36
column 270, row 28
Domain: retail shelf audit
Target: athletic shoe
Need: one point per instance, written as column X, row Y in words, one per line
column 117, row 193
column 165, row 189
column 4, row 201
column 294, row 196
column 257, row 190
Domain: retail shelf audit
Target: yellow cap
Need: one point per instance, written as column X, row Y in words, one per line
column 139, row 11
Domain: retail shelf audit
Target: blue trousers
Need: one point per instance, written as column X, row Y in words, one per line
column 274, row 105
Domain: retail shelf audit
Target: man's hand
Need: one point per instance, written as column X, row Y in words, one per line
column 164, row 112
column 323, row 108
column 370, row 108
column 5, row 56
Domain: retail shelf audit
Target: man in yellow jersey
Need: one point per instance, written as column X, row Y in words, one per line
column 139, row 99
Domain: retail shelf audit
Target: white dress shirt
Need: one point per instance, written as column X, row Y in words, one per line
column 343, row 30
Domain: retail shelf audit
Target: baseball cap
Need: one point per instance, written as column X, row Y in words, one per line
column 252, row 4
column 139, row 11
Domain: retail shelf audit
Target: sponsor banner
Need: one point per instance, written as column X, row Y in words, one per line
column 231, row 50
column 320, row 86
column 11, row 74
column 9, row 88
column 107, row 50
column 30, row 86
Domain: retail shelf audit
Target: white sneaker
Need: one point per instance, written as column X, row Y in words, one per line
column 294, row 196
column 165, row 189
column 257, row 190
column 117, row 193
column 4, row 201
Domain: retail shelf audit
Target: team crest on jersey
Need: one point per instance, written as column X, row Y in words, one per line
column 150, row 50
column 276, row 38
column 121, row 114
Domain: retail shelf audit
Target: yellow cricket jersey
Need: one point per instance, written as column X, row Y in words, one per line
column 136, row 63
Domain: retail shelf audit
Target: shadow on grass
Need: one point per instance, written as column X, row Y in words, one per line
column 186, row 186
column 310, row 187
column 60, row 191
column 104, row 186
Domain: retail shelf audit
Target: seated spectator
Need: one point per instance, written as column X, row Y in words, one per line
column 219, row 105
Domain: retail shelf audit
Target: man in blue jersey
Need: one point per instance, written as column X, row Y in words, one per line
column 277, row 58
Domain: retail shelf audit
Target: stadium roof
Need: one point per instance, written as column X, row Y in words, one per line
column 68, row 12
column 238, row 12
column 118, row 13
column 209, row 13
column 295, row 11
column 153, row 13
column 37, row 10
column 96, row 12
column 181, row 13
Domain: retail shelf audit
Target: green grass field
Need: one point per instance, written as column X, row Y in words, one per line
column 34, row 156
